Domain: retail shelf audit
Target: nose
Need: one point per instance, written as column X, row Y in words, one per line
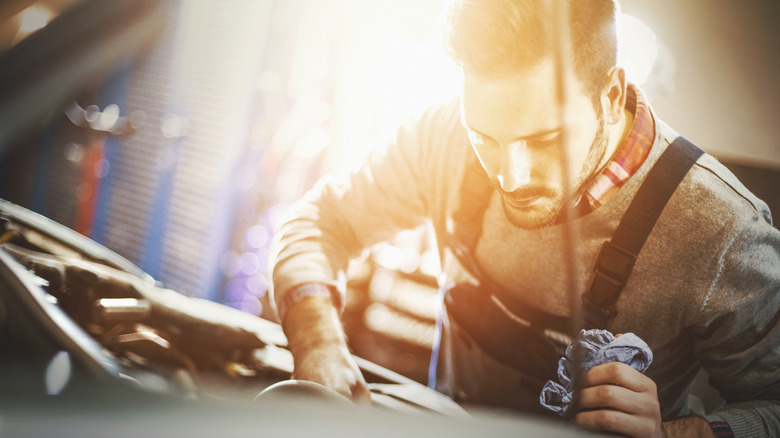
column 515, row 171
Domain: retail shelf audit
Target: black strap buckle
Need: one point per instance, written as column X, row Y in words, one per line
column 613, row 268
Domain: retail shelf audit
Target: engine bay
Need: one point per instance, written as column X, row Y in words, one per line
column 127, row 328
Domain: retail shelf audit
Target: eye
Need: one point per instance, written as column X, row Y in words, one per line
column 544, row 142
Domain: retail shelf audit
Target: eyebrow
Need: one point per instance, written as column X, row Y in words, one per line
column 533, row 136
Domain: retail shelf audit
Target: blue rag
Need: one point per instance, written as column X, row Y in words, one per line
column 596, row 347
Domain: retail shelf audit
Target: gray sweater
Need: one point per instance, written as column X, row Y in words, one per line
column 705, row 290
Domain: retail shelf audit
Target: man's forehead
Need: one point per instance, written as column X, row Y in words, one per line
column 525, row 99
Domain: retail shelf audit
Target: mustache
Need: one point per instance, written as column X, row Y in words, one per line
column 528, row 192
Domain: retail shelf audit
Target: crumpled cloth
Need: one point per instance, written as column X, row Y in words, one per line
column 597, row 347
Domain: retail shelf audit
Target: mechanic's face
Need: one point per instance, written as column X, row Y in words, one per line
column 514, row 127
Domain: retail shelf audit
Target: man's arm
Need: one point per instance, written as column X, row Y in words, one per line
column 319, row 348
column 737, row 332
column 333, row 223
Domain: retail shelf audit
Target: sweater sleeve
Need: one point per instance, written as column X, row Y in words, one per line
column 342, row 215
column 738, row 338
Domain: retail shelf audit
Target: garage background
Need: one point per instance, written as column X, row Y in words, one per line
column 183, row 155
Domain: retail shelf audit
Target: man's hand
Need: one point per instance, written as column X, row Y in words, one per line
column 320, row 350
column 618, row 398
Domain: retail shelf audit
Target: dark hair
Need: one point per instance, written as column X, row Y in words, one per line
column 499, row 36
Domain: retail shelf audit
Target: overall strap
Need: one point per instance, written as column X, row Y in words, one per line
column 473, row 199
column 616, row 259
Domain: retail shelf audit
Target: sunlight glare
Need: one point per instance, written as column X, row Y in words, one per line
column 637, row 48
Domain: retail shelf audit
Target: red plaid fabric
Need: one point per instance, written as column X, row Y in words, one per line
column 629, row 156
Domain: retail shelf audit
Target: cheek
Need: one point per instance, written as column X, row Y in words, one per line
column 549, row 166
column 579, row 148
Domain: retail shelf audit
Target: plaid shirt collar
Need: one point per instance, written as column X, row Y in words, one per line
column 629, row 156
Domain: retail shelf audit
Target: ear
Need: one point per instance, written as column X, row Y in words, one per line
column 614, row 97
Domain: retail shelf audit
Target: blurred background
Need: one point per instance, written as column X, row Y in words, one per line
column 176, row 132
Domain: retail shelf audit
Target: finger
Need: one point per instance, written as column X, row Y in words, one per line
column 361, row 394
column 349, row 382
column 344, row 382
column 617, row 398
column 358, row 388
column 620, row 374
column 615, row 421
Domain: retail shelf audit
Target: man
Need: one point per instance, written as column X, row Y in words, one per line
column 704, row 288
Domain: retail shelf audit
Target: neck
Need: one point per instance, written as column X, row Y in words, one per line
column 617, row 135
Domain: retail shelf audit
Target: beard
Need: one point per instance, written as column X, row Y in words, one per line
column 538, row 206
